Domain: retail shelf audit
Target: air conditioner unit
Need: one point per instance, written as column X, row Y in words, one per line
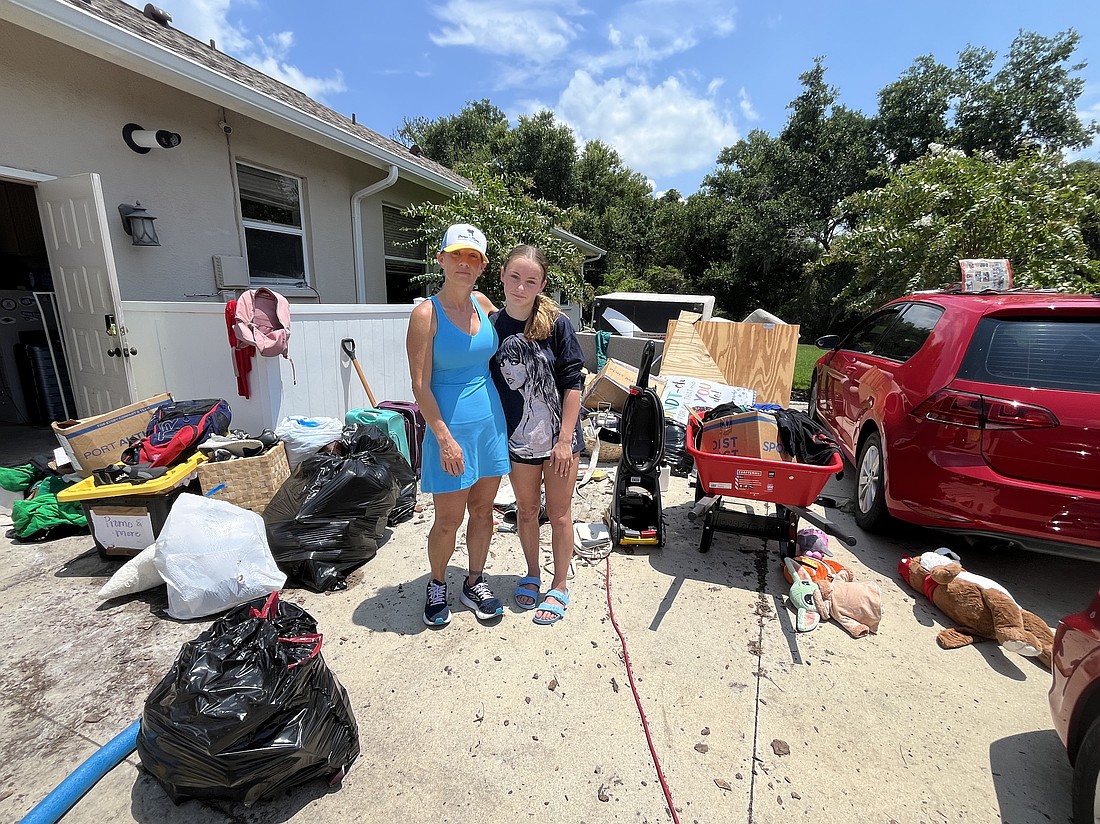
column 231, row 272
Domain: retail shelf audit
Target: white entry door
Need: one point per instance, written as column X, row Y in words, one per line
column 82, row 262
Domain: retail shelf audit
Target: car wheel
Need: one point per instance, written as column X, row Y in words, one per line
column 1086, row 776
column 871, row 513
column 811, row 405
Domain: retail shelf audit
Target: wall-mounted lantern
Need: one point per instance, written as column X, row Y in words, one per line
column 138, row 224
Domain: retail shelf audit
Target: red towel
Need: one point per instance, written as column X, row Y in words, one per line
column 242, row 356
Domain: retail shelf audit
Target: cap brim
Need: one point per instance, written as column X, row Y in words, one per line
column 454, row 247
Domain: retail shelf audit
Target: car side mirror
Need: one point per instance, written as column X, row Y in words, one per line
column 827, row 342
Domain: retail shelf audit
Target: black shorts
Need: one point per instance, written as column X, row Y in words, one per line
column 531, row 461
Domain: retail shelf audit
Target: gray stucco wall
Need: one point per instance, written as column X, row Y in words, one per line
column 63, row 114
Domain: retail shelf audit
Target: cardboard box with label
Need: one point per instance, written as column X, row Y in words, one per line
column 612, row 384
column 745, row 435
column 93, row 443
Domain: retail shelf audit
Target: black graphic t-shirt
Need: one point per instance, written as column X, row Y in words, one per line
column 531, row 377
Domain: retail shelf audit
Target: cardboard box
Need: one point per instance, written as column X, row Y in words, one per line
column 612, row 385
column 93, row 443
column 746, row 435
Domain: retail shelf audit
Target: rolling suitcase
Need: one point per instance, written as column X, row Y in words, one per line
column 390, row 422
column 414, row 428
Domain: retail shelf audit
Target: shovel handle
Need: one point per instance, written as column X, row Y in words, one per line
column 348, row 345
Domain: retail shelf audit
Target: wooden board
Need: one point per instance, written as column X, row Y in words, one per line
column 757, row 355
column 685, row 353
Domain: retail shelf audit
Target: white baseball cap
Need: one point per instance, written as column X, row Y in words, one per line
column 464, row 236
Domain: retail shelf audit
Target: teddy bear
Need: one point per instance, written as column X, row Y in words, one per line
column 855, row 605
column 978, row 605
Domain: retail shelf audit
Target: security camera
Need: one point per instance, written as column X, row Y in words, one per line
column 225, row 127
column 142, row 140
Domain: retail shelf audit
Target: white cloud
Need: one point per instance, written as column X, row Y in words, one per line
column 648, row 31
column 207, row 20
column 270, row 57
column 535, row 31
column 664, row 129
column 747, row 109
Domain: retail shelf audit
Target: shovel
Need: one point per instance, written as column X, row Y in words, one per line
column 348, row 345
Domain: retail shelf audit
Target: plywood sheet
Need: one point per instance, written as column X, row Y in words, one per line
column 757, row 355
column 685, row 352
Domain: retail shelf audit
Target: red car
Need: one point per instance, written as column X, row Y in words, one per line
column 1075, row 704
column 974, row 413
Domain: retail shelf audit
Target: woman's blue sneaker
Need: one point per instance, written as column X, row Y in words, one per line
column 480, row 599
column 436, row 613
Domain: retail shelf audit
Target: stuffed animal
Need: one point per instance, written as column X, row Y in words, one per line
column 979, row 606
column 812, row 542
column 816, row 569
column 855, row 605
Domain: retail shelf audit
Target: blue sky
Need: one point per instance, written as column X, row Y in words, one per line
column 668, row 83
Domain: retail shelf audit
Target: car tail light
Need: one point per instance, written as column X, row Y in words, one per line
column 981, row 412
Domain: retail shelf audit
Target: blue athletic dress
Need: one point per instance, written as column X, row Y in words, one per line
column 468, row 403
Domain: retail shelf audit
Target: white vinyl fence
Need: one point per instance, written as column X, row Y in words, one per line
column 183, row 348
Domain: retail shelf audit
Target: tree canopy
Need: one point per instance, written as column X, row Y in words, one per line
column 497, row 204
column 837, row 210
column 947, row 205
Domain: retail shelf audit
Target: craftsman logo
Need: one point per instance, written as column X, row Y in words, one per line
column 754, row 472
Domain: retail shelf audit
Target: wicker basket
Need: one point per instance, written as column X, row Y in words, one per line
column 609, row 452
column 249, row 482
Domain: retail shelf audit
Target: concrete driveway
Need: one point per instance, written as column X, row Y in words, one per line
column 515, row 722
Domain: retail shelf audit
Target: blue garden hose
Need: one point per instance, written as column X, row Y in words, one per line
column 54, row 806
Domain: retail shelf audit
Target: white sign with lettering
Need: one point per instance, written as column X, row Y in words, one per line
column 119, row 527
column 681, row 393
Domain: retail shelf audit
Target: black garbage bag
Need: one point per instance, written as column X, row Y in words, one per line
column 327, row 517
column 248, row 709
column 679, row 461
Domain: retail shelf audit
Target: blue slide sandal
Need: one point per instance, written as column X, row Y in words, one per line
column 557, row 611
column 522, row 591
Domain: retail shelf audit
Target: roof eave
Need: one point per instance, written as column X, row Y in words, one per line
column 71, row 26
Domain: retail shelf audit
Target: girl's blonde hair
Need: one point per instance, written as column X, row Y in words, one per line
column 544, row 312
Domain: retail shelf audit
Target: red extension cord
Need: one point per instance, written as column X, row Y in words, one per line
column 637, row 699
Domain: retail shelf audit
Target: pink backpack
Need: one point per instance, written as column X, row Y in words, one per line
column 262, row 320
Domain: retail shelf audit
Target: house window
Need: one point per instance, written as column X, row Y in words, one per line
column 404, row 260
column 271, row 212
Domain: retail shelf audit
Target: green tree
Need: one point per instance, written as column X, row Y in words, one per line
column 1029, row 103
column 1087, row 173
column 614, row 210
column 544, row 152
column 474, row 135
column 499, row 206
column 776, row 203
column 947, row 205
column 912, row 111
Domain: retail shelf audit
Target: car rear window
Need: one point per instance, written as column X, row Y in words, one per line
column 1044, row 353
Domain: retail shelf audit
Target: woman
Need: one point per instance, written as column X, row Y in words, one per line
column 537, row 370
column 465, row 451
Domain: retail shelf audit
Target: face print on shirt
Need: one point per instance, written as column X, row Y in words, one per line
column 526, row 370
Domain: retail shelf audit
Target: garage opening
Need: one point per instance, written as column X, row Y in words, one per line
column 34, row 381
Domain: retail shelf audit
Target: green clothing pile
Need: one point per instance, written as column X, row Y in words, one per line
column 39, row 516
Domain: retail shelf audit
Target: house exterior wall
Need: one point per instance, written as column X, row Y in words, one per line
column 62, row 113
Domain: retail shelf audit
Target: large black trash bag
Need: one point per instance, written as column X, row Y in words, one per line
column 327, row 517
column 679, row 461
column 248, row 709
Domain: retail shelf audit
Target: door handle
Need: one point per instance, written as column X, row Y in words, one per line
column 114, row 353
column 127, row 352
